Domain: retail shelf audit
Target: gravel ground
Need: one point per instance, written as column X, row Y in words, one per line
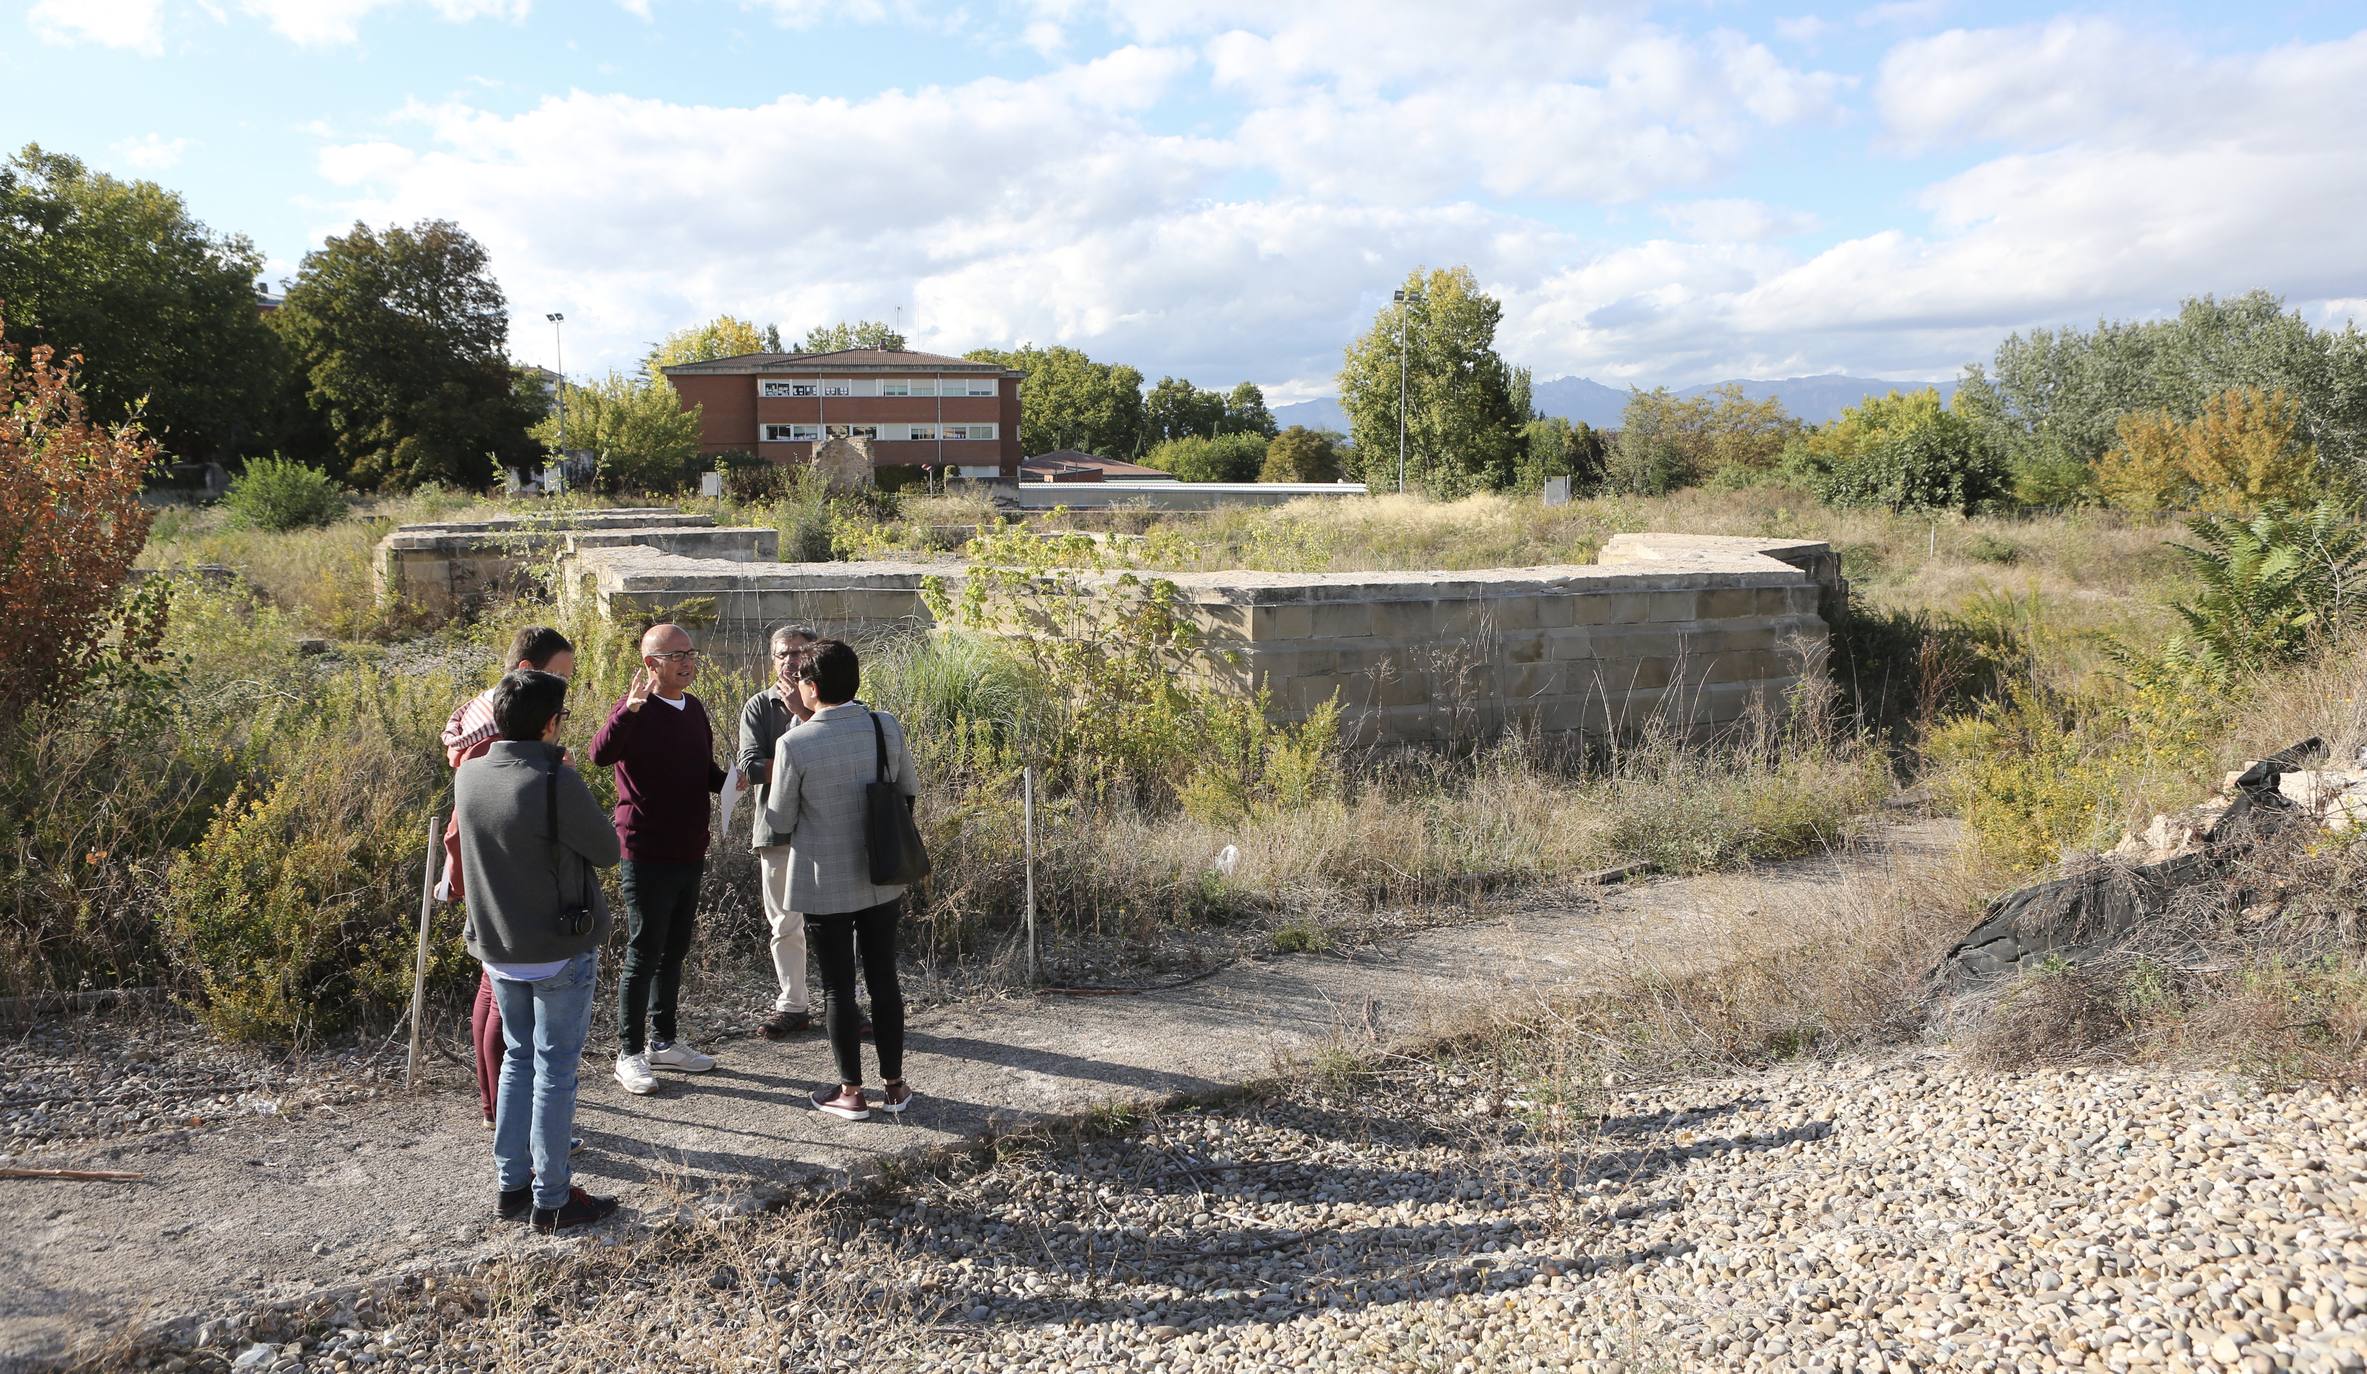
column 72, row 1079
column 1889, row 1213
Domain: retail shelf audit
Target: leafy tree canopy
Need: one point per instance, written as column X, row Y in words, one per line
column 1069, row 401
column 1246, row 413
column 725, row 336
column 2065, row 391
column 1200, row 458
column 1175, row 409
column 837, row 338
column 1300, row 454
column 399, row 336
column 162, row 309
column 1461, row 428
column 641, row 435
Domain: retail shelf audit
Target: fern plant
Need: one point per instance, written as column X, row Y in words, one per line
column 2273, row 585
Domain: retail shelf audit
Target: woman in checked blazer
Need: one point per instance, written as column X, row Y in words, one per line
column 815, row 798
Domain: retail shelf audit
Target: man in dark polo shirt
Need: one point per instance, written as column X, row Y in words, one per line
column 663, row 749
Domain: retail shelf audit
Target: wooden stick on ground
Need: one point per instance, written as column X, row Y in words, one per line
column 77, row 1175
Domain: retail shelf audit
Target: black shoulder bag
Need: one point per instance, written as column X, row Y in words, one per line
column 575, row 919
column 889, row 832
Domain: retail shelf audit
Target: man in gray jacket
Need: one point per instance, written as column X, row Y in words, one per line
column 769, row 715
column 532, row 838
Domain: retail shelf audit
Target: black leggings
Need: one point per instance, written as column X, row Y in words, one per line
column 834, row 939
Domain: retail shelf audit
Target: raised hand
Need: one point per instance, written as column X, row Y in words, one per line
column 644, row 682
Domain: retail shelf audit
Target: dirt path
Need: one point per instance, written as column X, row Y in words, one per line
column 271, row 1208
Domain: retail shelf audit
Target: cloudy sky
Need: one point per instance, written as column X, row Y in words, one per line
column 1229, row 189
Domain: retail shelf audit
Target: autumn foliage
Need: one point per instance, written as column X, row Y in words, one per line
column 70, row 525
column 2243, row 452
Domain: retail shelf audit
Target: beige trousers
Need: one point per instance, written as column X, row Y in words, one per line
column 788, row 929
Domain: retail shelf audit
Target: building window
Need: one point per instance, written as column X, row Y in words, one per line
column 803, row 389
column 806, row 434
column 780, row 434
column 978, row 386
column 864, row 431
column 837, row 389
column 923, row 386
column 895, row 388
column 924, row 431
column 972, row 431
column 776, row 389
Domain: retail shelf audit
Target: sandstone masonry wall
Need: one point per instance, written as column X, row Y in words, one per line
column 446, row 568
column 1689, row 631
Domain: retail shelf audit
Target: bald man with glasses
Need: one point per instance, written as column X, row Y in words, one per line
column 663, row 749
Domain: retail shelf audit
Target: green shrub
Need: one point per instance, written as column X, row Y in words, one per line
column 1990, row 548
column 2047, row 476
column 281, row 494
column 1300, row 454
column 293, row 914
column 1225, row 458
column 1941, row 462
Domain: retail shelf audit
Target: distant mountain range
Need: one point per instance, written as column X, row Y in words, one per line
column 1815, row 399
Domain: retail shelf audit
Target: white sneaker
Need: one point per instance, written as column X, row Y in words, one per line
column 632, row 1070
column 681, row 1057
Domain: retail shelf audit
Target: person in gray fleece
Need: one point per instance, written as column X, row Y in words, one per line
column 531, row 841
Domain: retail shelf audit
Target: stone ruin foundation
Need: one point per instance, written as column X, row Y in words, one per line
column 1693, row 631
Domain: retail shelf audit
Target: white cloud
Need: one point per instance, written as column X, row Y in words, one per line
column 1332, row 146
column 136, row 25
column 150, row 152
column 1733, row 221
column 322, row 23
column 2068, row 78
column 2198, row 176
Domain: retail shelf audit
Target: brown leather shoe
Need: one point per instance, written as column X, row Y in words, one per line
column 846, row 1106
column 783, row 1024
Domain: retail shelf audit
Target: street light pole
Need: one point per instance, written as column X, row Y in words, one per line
column 559, row 356
column 1403, row 298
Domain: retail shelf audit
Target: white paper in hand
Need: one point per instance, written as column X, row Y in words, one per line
column 733, row 786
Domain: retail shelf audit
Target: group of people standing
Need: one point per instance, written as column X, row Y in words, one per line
column 527, row 841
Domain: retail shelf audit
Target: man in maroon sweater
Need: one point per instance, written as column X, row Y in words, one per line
column 663, row 749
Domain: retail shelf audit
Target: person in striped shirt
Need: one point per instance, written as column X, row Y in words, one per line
column 470, row 732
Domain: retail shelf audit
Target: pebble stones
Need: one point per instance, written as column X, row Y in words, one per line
column 1883, row 1214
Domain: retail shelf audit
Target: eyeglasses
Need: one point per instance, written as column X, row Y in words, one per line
column 564, row 713
column 677, row 656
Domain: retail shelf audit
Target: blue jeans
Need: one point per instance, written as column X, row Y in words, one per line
column 543, row 1024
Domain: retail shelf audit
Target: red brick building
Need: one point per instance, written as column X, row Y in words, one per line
column 916, row 408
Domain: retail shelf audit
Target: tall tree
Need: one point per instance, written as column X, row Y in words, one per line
column 1175, row 409
column 1246, row 413
column 1462, row 433
column 1669, row 440
column 161, row 308
column 399, row 337
column 837, row 338
column 725, row 336
column 2064, row 392
column 1300, row 454
column 1069, row 401
column 639, row 432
